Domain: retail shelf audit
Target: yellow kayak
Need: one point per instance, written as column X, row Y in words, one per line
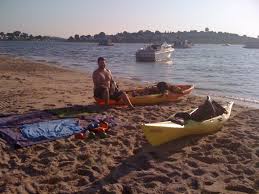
column 159, row 98
column 162, row 132
column 153, row 98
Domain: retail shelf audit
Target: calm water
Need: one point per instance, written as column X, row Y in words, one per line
column 226, row 71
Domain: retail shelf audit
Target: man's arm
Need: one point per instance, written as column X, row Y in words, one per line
column 95, row 79
column 110, row 73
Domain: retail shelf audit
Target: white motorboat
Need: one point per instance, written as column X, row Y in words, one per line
column 155, row 52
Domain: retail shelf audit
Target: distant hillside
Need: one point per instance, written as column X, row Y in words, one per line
column 18, row 35
column 202, row 37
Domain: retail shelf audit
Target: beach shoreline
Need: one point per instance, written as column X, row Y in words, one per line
column 250, row 103
column 223, row 162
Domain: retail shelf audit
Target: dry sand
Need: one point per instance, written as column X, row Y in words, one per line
column 224, row 162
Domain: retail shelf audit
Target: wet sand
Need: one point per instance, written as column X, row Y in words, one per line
column 224, row 162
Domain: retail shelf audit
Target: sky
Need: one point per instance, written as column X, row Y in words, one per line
column 64, row 18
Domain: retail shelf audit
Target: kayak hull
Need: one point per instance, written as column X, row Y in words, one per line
column 163, row 132
column 154, row 98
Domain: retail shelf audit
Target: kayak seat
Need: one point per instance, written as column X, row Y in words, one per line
column 180, row 118
column 207, row 110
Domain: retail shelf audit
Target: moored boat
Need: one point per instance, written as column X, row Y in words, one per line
column 182, row 44
column 252, row 45
column 226, row 44
column 155, row 52
column 106, row 42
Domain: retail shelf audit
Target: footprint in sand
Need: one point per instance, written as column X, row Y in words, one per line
column 86, row 172
column 223, row 140
column 51, row 105
column 240, row 187
column 234, row 170
column 83, row 157
column 44, row 161
column 52, row 180
column 82, row 181
column 232, row 159
column 198, row 172
column 66, row 163
column 39, row 147
column 152, row 184
column 193, row 183
column 33, row 170
column 195, row 148
column 47, row 153
column 185, row 175
column 29, row 188
column 192, row 164
column 208, row 182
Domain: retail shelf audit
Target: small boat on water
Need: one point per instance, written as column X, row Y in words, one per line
column 226, row 44
column 182, row 44
column 176, row 93
column 163, row 132
column 252, row 45
column 155, row 52
column 106, row 42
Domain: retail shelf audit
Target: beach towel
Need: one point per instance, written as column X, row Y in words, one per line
column 9, row 127
column 51, row 129
column 11, row 133
column 15, row 138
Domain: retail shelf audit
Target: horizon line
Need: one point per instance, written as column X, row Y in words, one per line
column 112, row 34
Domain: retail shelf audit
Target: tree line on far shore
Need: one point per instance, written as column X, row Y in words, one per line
column 18, row 35
column 202, row 37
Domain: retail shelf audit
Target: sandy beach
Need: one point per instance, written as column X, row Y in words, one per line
column 224, row 162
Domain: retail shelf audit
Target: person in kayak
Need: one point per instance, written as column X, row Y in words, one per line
column 105, row 87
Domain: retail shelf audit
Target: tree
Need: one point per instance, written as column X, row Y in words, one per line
column 83, row 37
column 77, row 37
column 24, row 35
column 89, row 37
column 157, row 32
column 10, row 36
column 39, row 37
column 70, row 38
column 17, row 33
column 100, row 36
column 148, row 32
column 207, row 29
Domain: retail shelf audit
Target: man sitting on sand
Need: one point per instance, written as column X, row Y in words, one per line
column 105, row 87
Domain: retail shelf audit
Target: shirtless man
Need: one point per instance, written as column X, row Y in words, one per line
column 105, row 87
